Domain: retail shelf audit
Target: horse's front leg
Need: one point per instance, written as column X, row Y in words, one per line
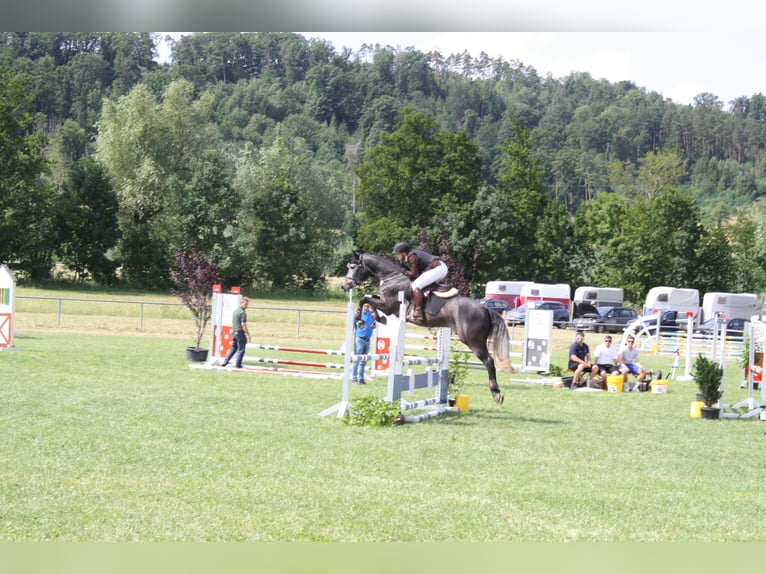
column 377, row 303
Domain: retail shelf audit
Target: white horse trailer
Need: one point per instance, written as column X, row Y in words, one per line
column 660, row 299
column 739, row 305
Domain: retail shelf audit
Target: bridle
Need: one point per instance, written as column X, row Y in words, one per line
column 356, row 263
column 351, row 273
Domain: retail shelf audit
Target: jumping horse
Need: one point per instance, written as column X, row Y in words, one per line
column 474, row 324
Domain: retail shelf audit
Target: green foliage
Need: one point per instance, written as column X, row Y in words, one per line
column 417, row 173
column 88, row 225
column 556, row 371
column 27, row 203
column 488, row 148
column 370, row 411
column 458, row 367
column 708, row 375
column 290, row 219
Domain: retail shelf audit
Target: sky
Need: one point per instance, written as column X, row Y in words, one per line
column 679, row 65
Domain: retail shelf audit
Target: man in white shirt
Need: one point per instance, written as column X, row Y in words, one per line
column 606, row 358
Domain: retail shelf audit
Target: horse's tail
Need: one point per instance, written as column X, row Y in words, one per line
column 501, row 342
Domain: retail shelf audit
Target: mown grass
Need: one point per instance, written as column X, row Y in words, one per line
column 112, row 437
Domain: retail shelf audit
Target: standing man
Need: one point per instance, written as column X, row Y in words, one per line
column 579, row 359
column 365, row 323
column 240, row 334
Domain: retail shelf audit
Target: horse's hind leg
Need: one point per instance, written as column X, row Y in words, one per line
column 483, row 355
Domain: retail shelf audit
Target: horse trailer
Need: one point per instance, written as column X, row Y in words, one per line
column 739, row 305
column 508, row 291
column 595, row 297
column 660, row 299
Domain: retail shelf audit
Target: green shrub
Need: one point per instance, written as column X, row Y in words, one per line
column 708, row 375
column 370, row 411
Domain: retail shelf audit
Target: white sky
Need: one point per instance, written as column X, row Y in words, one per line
column 679, row 65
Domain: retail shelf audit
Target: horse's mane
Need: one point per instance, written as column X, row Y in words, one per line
column 385, row 263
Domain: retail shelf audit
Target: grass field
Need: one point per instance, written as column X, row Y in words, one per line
column 108, row 435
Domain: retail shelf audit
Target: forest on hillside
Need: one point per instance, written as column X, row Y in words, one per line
column 277, row 154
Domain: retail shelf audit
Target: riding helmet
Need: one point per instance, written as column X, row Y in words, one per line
column 402, row 247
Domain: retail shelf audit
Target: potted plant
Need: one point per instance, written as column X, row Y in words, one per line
column 194, row 276
column 708, row 375
column 458, row 371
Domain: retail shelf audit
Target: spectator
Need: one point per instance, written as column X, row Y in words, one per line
column 366, row 321
column 579, row 359
column 629, row 365
column 607, row 359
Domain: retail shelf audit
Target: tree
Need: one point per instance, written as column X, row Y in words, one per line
column 194, row 276
column 153, row 150
column 553, row 245
column 88, row 226
column 27, row 203
column 664, row 242
column 416, row 174
column 600, row 244
column 715, row 269
column 509, row 220
column 290, row 219
column 659, row 171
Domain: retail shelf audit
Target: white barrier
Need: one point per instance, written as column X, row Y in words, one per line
column 435, row 377
column 7, row 306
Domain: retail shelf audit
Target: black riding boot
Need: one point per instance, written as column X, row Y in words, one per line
column 417, row 300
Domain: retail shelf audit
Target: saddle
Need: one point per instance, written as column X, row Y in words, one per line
column 436, row 295
column 442, row 290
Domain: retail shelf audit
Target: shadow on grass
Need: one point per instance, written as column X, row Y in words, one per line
column 514, row 416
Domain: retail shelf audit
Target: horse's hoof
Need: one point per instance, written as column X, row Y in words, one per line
column 499, row 398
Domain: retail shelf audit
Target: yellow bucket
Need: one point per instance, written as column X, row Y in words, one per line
column 614, row 383
column 461, row 402
column 695, row 411
column 659, row 387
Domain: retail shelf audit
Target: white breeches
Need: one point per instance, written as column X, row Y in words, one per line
column 431, row 276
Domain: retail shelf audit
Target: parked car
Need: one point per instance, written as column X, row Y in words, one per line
column 496, row 305
column 670, row 321
column 560, row 312
column 735, row 326
column 605, row 319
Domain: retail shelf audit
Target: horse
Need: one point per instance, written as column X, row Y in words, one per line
column 471, row 321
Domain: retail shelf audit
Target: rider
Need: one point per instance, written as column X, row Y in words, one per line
column 423, row 269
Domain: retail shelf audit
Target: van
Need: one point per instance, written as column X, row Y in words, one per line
column 507, row 291
column 660, row 299
column 587, row 299
column 729, row 304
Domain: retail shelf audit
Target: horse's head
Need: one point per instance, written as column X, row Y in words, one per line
column 356, row 273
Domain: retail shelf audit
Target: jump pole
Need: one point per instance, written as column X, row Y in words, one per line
column 342, row 407
column 756, row 333
column 687, row 376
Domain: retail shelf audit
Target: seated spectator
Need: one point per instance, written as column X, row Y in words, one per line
column 629, row 365
column 579, row 360
column 607, row 359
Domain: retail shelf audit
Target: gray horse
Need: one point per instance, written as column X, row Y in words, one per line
column 474, row 324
